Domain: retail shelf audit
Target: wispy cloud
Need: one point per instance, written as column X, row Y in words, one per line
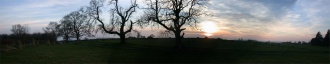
column 280, row 20
column 35, row 13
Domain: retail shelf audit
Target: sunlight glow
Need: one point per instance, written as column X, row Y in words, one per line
column 208, row 34
column 209, row 28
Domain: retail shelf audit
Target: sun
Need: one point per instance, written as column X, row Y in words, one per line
column 209, row 28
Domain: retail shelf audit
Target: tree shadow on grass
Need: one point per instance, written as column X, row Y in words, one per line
column 192, row 52
column 210, row 51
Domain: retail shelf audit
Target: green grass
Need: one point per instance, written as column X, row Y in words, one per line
column 162, row 51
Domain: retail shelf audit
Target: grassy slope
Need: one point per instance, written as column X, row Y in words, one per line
column 161, row 51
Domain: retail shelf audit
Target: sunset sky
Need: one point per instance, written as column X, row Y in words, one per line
column 264, row 20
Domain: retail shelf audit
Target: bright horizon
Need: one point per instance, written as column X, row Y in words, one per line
column 263, row 20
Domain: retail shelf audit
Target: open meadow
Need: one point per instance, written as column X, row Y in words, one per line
column 163, row 51
column 164, row 31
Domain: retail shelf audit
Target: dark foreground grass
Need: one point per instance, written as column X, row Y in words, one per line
column 162, row 51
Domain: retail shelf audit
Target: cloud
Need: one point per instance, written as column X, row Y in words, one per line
column 35, row 25
column 279, row 20
column 317, row 13
column 54, row 3
column 36, row 13
column 270, row 19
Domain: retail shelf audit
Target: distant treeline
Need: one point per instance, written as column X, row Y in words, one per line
column 18, row 41
column 34, row 36
column 21, row 38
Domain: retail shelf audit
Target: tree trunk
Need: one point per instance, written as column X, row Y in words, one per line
column 78, row 37
column 122, row 38
column 66, row 37
column 178, row 40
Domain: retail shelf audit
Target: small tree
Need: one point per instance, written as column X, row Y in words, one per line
column 81, row 23
column 52, row 27
column 52, row 30
column 138, row 34
column 165, row 34
column 65, row 29
column 20, row 29
column 151, row 36
column 326, row 39
column 317, row 40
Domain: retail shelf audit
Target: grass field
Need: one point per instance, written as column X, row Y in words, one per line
column 162, row 51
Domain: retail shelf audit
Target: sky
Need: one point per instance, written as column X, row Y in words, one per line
column 264, row 20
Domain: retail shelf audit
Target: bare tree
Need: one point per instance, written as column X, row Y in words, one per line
column 174, row 14
column 65, row 29
column 164, row 34
column 138, row 34
column 20, row 29
column 82, row 24
column 119, row 18
column 52, row 29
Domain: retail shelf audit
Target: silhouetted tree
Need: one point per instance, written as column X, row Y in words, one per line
column 65, row 29
column 82, row 24
column 20, row 29
column 151, row 36
column 165, row 34
column 119, row 18
column 52, row 29
column 138, row 34
column 174, row 14
column 317, row 40
column 326, row 39
column 206, row 37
